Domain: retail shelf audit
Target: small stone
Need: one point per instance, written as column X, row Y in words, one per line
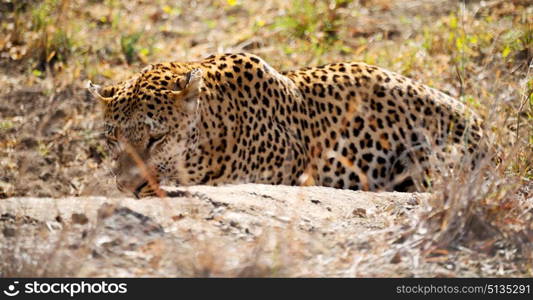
column 397, row 258
column 79, row 219
column 177, row 217
column 9, row 232
column 359, row 212
column 105, row 211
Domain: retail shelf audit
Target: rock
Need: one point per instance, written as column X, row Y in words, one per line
column 236, row 230
column 9, row 232
column 359, row 212
column 79, row 219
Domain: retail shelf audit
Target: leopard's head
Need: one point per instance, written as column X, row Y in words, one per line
column 150, row 125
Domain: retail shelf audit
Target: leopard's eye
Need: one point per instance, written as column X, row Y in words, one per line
column 154, row 140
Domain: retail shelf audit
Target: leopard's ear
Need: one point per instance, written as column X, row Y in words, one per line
column 103, row 94
column 187, row 90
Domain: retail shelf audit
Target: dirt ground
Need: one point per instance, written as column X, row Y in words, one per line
column 242, row 230
column 51, row 144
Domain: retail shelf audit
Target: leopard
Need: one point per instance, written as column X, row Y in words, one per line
column 232, row 118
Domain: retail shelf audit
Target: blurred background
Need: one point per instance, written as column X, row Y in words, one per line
column 50, row 144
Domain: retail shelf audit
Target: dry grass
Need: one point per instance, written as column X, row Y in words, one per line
column 480, row 53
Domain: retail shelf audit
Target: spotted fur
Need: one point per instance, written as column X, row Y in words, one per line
column 232, row 118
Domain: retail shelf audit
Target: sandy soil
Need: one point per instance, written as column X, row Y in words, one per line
column 241, row 230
